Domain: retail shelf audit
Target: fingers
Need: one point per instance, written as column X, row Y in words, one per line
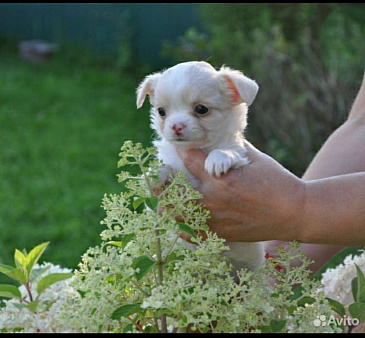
column 194, row 160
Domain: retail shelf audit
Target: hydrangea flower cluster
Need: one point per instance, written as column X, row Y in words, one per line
column 141, row 278
column 17, row 318
column 337, row 283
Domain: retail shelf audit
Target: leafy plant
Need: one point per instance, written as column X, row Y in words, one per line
column 33, row 279
column 345, row 284
column 143, row 278
column 357, row 309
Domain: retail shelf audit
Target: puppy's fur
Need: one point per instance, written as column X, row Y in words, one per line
column 196, row 106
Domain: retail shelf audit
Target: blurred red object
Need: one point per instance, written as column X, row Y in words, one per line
column 277, row 266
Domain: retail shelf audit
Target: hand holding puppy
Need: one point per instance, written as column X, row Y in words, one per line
column 263, row 201
column 258, row 202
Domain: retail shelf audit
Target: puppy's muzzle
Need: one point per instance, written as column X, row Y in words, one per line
column 178, row 128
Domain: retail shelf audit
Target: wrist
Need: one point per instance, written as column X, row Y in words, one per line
column 298, row 217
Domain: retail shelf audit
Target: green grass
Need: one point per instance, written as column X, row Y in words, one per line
column 61, row 127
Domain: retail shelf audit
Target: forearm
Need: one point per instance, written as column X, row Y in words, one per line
column 334, row 211
column 357, row 112
column 343, row 152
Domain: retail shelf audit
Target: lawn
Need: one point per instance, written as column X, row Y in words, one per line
column 61, row 127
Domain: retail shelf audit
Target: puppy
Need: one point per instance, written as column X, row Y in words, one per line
column 196, row 106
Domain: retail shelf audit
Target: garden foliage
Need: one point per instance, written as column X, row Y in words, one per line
column 142, row 279
column 308, row 60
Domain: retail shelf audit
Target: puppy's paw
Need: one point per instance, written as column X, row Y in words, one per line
column 220, row 161
column 241, row 160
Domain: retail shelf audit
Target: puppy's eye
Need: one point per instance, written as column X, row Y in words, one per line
column 161, row 111
column 201, row 110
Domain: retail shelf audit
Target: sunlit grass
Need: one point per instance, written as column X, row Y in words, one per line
column 61, row 127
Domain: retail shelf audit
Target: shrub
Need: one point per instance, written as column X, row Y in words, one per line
column 142, row 279
column 307, row 68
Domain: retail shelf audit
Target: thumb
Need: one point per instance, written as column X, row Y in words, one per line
column 252, row 152
column 194, row 160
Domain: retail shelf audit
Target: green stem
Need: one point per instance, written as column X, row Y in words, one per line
column 170, row 249
column 160, row 275
column 27, row 287
column 158, row 245
column 139, row 288
column 143, row 170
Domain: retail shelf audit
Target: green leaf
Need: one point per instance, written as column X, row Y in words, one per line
column 150, row 329
column 125, row 240
column 277, row 325
column 116, row 243
column 152, row 202
column 357, row 310
column 20, row 306
column 128, row 328
column 9, row 291
column 19, row 259
column 174, row 257
column 51, row 279
column 305, row 300
column 144, row 264
column 187, row 229
column 126, row 310
column 337, row 307
column 265, row 329
column 34, row 255
column 113, row 277
column 358, row 286
column 32, row 306
column 137, row 202
column 19, row 274
column 37, row 272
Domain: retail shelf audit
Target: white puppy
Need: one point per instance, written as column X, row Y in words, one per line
column 196, row 106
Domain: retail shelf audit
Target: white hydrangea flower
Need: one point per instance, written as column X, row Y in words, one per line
column 337, row 281
column 45, row 319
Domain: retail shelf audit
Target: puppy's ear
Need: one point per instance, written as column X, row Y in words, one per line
column 239, row 87
column 147, row 86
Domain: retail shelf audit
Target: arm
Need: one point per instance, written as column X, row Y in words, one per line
column 335, row 211
column 263, row 201
column 342, row 153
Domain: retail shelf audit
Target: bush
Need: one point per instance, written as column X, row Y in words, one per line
column 143, row 279
column 307, row 68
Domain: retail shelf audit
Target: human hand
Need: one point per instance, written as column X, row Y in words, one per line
column 257, row 202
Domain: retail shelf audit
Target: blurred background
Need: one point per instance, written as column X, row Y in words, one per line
column 68, row 74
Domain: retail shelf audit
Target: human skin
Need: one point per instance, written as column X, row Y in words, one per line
column 342, row 153
column 263, row 201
